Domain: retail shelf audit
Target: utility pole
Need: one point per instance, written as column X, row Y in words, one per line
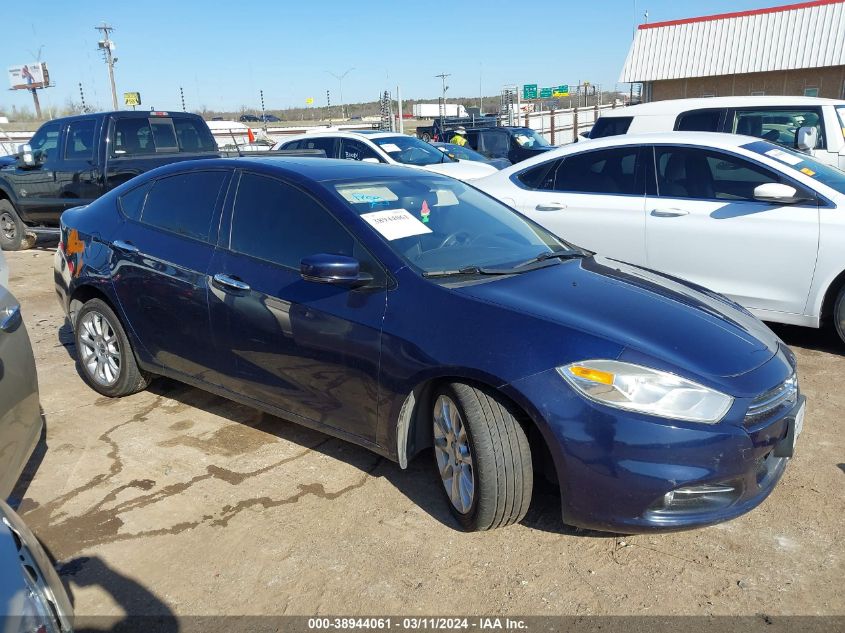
column 182, row 96
column 340, row 78
column 263, row 115
column 442, row 77
column 82, row 96
column 107, row 46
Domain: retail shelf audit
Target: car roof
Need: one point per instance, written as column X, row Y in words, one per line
column 369, row 134
column 674, row 106
column 316, row 168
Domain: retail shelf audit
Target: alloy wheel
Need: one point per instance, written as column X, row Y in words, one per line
column 454, row 454
column 100, row 349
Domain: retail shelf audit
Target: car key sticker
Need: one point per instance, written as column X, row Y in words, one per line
column 395, row 224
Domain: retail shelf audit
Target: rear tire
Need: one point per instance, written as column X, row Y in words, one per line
column 12, row 228
column 425, row 136
column 482, row 456
column 105, row 358
column 839, row 314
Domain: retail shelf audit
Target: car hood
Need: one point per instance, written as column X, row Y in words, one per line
column 463, row 169
column 682, row 325
column 7, row 160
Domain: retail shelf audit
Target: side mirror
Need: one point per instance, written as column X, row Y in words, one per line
column 776, row 192
column 338, row 270
column 807, row 138
column 370, row 160
column 25, row 156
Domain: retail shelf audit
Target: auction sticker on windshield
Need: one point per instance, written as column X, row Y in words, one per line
column 395, row 224
column 780, row 155
column 391, row 148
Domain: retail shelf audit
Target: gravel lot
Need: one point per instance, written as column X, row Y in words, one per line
column 175, row 501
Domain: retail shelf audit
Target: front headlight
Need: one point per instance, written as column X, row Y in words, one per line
column 645, row 390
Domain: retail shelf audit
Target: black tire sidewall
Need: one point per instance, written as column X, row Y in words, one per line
column 839, row 314
column 20, row 229
column 121, row 386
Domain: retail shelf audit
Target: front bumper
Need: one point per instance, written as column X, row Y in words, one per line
column 615, row 468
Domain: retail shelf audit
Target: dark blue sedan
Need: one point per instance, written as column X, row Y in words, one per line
column 403, row 310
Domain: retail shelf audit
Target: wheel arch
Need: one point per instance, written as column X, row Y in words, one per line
column 84, row 293
column 829, row 298
column 413, row 429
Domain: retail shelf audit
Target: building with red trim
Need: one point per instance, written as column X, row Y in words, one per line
column 796, row 49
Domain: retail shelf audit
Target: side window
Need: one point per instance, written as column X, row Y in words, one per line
column 45, row 141
column 355, row 150
column 279, row 223
column 323, row 143
column 193, row 136
column 541, row 176
column 472, row 140
column 184, row 204
column 80, row 140
column 684, row 172
column 778, row 125
column 292, row 145
column 496, row 143
column 611, row 126
column 709, row 120
column 611, row 171
column 132, row 202
column 132, row 136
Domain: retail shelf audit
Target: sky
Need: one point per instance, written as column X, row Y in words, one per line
column 222, row 56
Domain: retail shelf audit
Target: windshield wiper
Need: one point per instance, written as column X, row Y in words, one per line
column 469, row 270
column 559, row 254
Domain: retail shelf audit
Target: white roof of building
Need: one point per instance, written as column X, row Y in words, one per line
column 805, row 35
column 676, row 106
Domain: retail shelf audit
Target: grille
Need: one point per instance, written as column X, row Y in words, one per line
column 783, row 396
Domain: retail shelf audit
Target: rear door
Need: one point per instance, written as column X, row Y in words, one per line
column 705, row 226
column 593, row 199
column 308, row 348
column 77, row 174
column 161, row 254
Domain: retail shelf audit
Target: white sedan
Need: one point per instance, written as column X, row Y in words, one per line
column 390, row 148
column 759, row 223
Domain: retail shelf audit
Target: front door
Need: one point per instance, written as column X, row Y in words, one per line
column 77, row 176
column 39, row 198
column 705, row 226
column 592, row 199
column 311, row 349
column 161, row 254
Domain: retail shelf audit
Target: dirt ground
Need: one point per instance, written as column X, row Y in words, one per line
column 174, row 501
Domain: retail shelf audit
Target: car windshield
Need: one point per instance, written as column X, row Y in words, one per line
column 792, row 161
column 527, row 137
column 438, row 224
column 411, row 151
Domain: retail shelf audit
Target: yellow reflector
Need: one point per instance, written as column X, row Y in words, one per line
column 594, row 375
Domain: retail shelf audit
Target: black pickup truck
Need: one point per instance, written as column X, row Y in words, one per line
column 71, row 161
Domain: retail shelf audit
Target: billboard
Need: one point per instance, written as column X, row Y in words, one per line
column 29, row 76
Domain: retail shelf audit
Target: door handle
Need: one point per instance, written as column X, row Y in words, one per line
column 550, row 206
column 229, row 283
column 668, row 213
column 127, row 247
column 10, row 318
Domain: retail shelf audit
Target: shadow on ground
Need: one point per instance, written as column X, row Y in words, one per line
column 824, row 339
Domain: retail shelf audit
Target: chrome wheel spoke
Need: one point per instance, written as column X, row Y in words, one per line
column 99, row 348
column 453, row 454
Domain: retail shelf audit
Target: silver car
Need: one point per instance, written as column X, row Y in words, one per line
column 31, row 596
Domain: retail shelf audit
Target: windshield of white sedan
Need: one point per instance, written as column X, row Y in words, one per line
column 441, row 225
column 411, row 151
column 791, row 160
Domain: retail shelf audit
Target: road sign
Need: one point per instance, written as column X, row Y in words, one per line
column 132, row 98
column 545, row 93
column 561, row 91
column 309, row 101
column 529, row 91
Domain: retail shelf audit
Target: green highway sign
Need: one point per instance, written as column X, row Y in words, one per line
column 529, row 91
column 545, row 93
column 561, row 91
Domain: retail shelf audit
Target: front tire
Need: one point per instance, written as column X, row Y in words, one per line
column 482, row 456
column 104, row 355
column 839, row 314
column 12, row 228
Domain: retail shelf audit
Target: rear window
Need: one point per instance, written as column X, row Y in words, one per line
column 135, row 136
column 611, row 126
